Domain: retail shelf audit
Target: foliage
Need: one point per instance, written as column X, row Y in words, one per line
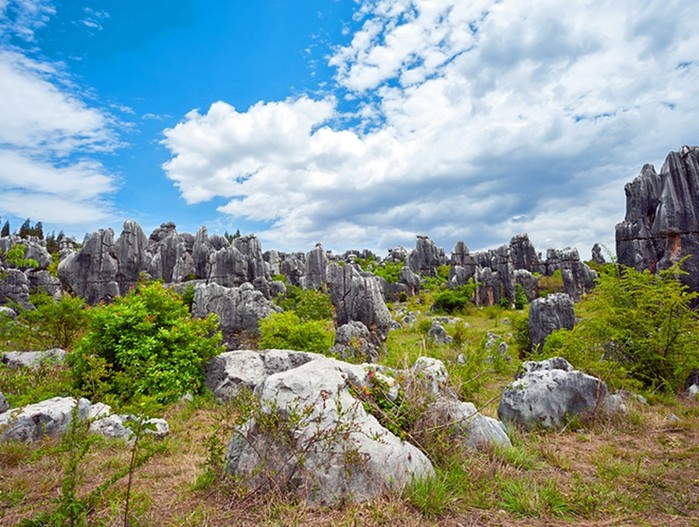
column 287, row 331
column 53, row 324
column 22, row 386
column 145, row 343
column 454, row 300
column 551, row 284
column 520, row 333
column 26, row 230
column 15, row 256
column 389, row 271
column 637, row 323
column 308, row 304
column 520, row 297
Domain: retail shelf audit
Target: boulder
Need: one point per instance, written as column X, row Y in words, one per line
column 49, row 417
column 91, row 272
column 548, row 314
column 464, row 422
column 354, row 342
column 33, row 359
column 333, row 452
column 14, row 288
column 3, row 403
column 432, row 374
column 238, row 308
column 528, row 282
column 438, row 334
column 546, row 393
column 358, row 297
column 42, row 280
column 229, row 372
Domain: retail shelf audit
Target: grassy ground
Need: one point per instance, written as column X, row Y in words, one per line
column 633, row 470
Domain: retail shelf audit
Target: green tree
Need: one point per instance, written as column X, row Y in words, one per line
column 637, row 324
column 145, row 344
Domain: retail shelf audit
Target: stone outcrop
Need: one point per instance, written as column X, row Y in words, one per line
column 3, row 403
column 354, row 341
column 548, row 392
column 426, row 257
column 466, row 424
column 578, row 278
column 238, row 308
column 14, row 288
column 33, row 359
column 358, row 297
column 315, row 276
column 661, row 225
column 548, row 314
column 336, row 451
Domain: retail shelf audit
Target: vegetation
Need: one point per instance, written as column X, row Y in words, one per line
column 16, row 256
column 389, row 271
column 637, row 326
column 454, row 300
column 145, row 343
column 288, row 331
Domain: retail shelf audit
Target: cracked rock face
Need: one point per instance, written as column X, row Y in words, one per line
column 661, row 225
column 548, row 314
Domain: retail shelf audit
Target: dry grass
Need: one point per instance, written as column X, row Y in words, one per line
column 638, row 470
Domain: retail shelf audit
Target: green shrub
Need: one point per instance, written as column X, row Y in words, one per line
column 15, row 256
column 520, row 297
column 636, row 323
column 53, row 324
column 144, row 344
column 308, row 304
column 551, row 284
column 287, row 331
column 389, row 271
column 454, row 300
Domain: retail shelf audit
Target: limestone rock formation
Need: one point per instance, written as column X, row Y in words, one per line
column 315, row 276
column 33, row 359
column 357, row 296
column 426, row 257
column 14, row 287
column 336, row 452
column 91, row 272
column 547, row 392
column 3, row 403
column 354, row 341
column 548, row 314
column 238, row 308
column 578, row 278
column 49, row 417
column 661, row 225
column 465, row 423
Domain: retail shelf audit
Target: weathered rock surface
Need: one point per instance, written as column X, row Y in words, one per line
column 472, row 428
column 346, row 454
column 238, row 308
column 3, row 403
column 49, row 417
column 91, row 272
column 426, row 257
column 315, row 276
column 358, row 297
column 578, row 278
column 438, row 334
column 33, row 359
column 548, row 314
column 547, row 392
column 661, row 225
column 353, row 341
column 229, row 372
column 14, row 287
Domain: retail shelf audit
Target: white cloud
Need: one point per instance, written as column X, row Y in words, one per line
column 48, row 133
column 481, row 112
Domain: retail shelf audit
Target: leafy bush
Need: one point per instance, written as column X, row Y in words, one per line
column 638, row 323
column 15, row 256
column 145, row 343
column 389, row 271
column 454, row 300
column 53, row 324
column 308, row 304
column 520, row 297
column 287, row 331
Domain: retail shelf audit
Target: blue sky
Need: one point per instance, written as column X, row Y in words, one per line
column 356, row 124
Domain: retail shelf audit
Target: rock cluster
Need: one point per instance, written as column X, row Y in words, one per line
column 661, row 225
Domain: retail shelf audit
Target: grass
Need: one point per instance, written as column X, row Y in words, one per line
column 641, row 469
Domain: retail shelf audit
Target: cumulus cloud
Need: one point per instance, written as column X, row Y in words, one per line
column 48, row 133
column 462, row 120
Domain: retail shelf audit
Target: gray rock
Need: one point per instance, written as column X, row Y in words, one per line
column 131, row 256
column 336, row 452
column 315, row 276
column 34, row 249
column 528, row 282
column 426, row 257
column 7, row 313
column 545, row 394
column 410, row 280
column 597, row 255
column 238, row 308
column 524, row 256
column 438, row 334
column 433, row 375
column 42, row 280
column 578, row 278
column 662, row 217
column 229, row 372
column 49, row 417
column 33, row 359
column 353, row 341
column 3, row 403
column 14, row 287
column 91, row 271
column 464, row 421
column 548, row 314
column 358, row 297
